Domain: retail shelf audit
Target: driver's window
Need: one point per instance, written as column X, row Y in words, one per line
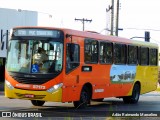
column 72, row 57
column 47, row 57
column 40, row 58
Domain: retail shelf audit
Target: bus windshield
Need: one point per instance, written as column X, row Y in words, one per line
column 34, row 56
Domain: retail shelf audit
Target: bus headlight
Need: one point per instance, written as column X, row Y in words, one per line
column 55, row 87
column 9, row 85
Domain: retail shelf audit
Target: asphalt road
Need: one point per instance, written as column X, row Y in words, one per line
column 147, row 107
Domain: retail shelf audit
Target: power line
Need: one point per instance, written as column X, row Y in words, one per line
column 145, row 29
column 155, row 40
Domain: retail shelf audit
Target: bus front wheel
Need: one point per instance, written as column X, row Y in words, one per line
column 85, row 98
column 135, row 95
column 37, row 102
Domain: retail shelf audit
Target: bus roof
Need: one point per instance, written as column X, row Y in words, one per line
column 94, row 35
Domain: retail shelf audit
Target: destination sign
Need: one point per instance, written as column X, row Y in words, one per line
column 37, row 32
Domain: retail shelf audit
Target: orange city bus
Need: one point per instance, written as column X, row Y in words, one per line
column 79, row 66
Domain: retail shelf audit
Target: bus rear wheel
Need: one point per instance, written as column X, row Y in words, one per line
column 37, row 102
column 85, row 98
column 135, row 95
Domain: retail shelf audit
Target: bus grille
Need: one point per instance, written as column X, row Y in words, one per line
column 37, row 81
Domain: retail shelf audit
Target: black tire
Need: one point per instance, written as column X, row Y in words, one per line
column 37, row 102
column 85, row 98
column 135, row 95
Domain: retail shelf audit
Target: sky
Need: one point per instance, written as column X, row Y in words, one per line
column 135, row 16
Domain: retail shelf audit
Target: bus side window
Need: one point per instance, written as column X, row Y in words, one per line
column 120, row 54
column 72, row 57
column 153, row 53
column 132, row 55
column 106, row 53
column 144, row 55
column 91, row 51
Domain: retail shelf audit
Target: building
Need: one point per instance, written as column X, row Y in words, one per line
column 10, row 18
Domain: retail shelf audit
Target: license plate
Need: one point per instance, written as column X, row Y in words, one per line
column 29, row 96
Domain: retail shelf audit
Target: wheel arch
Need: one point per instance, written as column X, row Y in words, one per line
column 134, row 97
column 85, row 96
column 89, row 86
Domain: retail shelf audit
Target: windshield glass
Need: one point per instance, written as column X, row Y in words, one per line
column 34, row 56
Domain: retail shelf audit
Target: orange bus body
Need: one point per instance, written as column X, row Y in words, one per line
column 99, row 79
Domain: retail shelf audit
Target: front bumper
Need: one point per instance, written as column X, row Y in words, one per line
column 15, row 93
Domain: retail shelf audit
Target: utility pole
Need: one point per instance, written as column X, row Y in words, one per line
column 114, row 24
column 117, row 19
column 112, row 17
column 83, row 21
